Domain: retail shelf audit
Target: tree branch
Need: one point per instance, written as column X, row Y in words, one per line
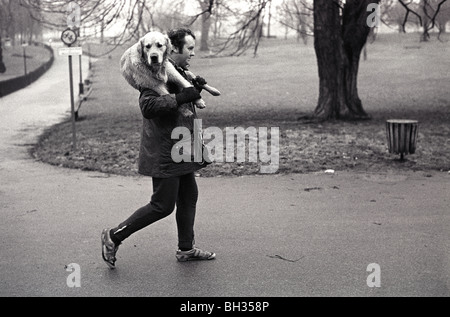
column 408, row 11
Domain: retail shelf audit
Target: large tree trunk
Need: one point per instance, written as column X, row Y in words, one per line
column 329, row 50
column 426, row 21
column 206, row 25
column 206, row 6
column 338, row 43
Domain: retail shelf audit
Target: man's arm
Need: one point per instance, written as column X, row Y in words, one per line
column 152, row 105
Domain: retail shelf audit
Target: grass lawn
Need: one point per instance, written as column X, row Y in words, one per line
column 402, row 79
column 14, row 61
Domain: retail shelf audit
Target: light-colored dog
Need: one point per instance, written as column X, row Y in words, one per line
column 145, row 65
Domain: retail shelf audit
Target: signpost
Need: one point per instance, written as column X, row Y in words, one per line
column 80, row 85
column 24, row 45
column 69, row 37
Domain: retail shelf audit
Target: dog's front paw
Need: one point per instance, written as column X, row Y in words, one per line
column 185, row 112
column 200, row 104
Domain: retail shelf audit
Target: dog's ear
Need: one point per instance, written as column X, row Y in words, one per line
column 168, row 45
column 140, row 48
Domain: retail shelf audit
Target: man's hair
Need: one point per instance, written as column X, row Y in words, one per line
column 177, row 37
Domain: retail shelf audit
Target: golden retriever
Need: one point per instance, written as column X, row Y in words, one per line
column 145, row 65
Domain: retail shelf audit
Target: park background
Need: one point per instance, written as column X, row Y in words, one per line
column 309, row 234
column 270, row 80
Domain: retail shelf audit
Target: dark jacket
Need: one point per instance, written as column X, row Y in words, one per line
column 161, row 117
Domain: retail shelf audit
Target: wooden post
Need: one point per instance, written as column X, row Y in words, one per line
column 81, row 86
column 90, row 63
column 72, row 104
column 25, row 60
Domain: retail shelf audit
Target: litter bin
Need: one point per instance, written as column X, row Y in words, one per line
column 402, row 136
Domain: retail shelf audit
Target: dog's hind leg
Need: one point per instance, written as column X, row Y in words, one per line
column 212, row 90
column 176, row 78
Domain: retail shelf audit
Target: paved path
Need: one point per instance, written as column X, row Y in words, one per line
column 294, row 235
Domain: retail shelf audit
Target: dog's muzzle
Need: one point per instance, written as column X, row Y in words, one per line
column 154, row 59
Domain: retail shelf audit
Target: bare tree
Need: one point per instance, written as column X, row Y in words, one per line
column 426, row 12
column 432, row 10
column 340, row 33
column 345, row 36
column 221, row 15
column 443, row 18
column 297, row 15
column 207, row 7
column 338, row 42
column 96, row 16
column 5, row 18
column 213, row 12
column 393, row 14
column 248, row 32
column 169, row 19
column 133, row 18
column 138, row 17
column 17, row 25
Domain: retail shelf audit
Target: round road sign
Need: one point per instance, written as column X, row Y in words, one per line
column 69, row 37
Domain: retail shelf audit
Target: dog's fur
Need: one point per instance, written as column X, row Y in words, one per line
column 145, row 65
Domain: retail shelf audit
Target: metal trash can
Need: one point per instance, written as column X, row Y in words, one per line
column 402, row 136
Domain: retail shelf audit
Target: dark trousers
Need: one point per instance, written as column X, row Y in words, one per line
column 181, row 192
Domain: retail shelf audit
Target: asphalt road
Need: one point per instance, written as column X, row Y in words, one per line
column 292, row 235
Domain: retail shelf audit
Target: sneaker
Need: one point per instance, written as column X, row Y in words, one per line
column 109, row 249
column 194, row 255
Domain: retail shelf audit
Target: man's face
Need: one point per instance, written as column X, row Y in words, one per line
column 183, row 58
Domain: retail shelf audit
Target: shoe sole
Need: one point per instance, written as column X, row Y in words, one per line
column 112, row 266
column 212, row 257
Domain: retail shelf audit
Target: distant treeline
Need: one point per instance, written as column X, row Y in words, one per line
column 11, row 85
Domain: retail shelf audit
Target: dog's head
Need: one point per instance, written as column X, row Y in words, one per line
column 154, row 48
column 145, row 61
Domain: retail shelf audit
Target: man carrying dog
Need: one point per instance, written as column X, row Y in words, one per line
column 174, row 184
